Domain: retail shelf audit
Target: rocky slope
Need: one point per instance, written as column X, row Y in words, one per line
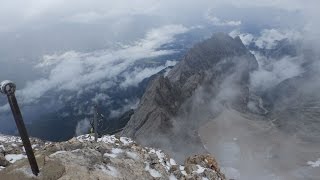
column 164, row 110
column 110, row 158
column 208, row 102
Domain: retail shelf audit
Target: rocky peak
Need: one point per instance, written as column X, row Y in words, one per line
column 207, row 54
column 110, row 158
column 207, row 64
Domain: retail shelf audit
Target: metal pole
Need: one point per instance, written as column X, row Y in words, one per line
column 8, row 88
column 95, row 122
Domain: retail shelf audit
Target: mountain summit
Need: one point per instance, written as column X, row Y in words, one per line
column 164, row 116
column 110, row 158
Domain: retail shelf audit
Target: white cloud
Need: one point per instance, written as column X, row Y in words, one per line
column 128, row 105
column 133, row 78
column 218, row 22
column 100, row 97
column 269, row 37
column 246, row 38
column 76, row 71
column 82, row 127
column 271, row 72
column 15, row 13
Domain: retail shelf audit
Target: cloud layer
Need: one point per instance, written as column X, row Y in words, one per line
column 75, row 71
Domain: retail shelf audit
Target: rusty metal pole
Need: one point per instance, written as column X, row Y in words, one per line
column 8, row 88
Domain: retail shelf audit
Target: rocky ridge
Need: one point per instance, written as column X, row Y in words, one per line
column 110, row 158
column 164, row 110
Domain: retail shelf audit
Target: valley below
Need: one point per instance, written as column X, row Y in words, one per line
column 249, row 147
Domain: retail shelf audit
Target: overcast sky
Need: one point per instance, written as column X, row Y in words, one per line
column 47, row 43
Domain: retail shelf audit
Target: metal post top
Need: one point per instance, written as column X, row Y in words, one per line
column 7, row 87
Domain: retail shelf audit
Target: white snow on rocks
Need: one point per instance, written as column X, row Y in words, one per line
column 161, row 156
column 172, row 162
column 116, row 151
column 315, row 163
column 1, row 167
column 106, row 139
column 2, row 147
column 182, row 170
column 14, row 157
column 132, row 155
column 126, row 141
column 153, row 173
column 200, row 169
column 86, row 137
column 10, row 139
column 172, row 177
column 123, row 152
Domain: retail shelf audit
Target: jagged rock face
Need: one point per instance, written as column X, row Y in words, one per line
column 208, row 65
column 109, row 158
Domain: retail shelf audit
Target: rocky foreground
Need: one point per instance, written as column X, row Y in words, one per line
column 110, row 158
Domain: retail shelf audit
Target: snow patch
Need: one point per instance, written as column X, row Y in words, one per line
column 12, row 158
column 10, row 139
column 200, row 169
column 2, row 147
column 1, row 167
column 172, row 162
column 126, row 141
column 116, row 151
column 86, row 137
column 108, row 139
column 172, row 177
column 182, row 170
column 152, row 172
column 132, row 155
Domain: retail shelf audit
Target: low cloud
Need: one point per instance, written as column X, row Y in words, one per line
column 269, row 38
column 133, row 78
column 82, row 127
column 126, row 107
column 218, row 22
column 76, row 71
column 246, row 38
column 273, row 71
